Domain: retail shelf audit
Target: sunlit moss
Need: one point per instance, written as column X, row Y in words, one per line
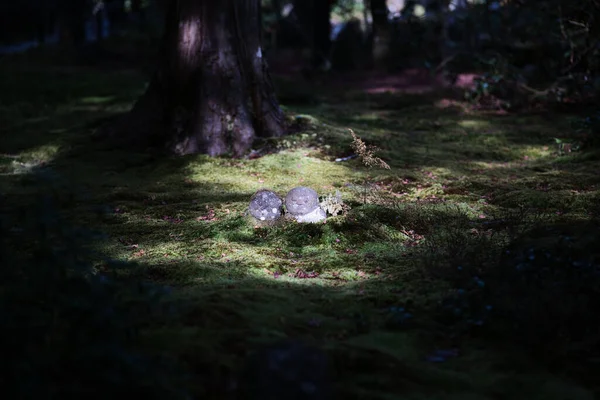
column 97, row 99
column 183, row 221
column 474, row 123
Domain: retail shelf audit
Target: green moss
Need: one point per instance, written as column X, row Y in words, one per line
column 453, row 178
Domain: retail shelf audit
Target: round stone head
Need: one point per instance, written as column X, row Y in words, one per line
column 265, row 205
column 301, row 200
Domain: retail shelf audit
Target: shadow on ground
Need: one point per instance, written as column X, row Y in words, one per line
column 413, row 295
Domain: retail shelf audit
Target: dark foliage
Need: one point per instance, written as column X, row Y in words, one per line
column 524, row 67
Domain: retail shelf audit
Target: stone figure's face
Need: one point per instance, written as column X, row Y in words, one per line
column 265, row 205
column 301, row 200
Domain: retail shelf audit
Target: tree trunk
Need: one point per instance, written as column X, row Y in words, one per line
column 380, row 33
column 42, row 14
column 321, row 32
column 99, row 18
column 115, row 12
column 379, row 11
column 73, row 18
column 212, row 92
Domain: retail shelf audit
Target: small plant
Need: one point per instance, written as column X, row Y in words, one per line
column 563, row 147
column 334, row 205
column 367, row 156
column 367, row 153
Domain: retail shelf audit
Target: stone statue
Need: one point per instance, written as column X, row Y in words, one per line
column 266, row 205
column 302, row 204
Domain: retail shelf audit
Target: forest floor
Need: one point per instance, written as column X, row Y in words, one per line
column 420, row 291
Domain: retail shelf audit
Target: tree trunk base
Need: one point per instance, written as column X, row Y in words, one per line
column 212, row 93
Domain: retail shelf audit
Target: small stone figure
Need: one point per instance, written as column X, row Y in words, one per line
column 302, row 203
column 317, row 215
column 265, row 206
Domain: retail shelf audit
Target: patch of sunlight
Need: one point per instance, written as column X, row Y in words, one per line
column 280, row 172
column 28, row 160
column 472, row 123
column 97, row 99
column 491, row 165
column 346, row 278
column 538, row 151
column 45, row 152
column 168, row 249
column 189, row 31
column 438, row 172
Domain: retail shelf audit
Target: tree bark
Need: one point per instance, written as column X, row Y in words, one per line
column 115, row 12
column 212, row 92
column 99, row 19
column 73, row 18
column 380, row 37
column 321, row 32
column 379, row 11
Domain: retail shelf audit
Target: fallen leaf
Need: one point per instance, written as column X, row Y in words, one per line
column 139, row 253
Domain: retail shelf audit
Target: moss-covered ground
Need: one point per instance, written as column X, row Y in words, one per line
column 405, row 292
